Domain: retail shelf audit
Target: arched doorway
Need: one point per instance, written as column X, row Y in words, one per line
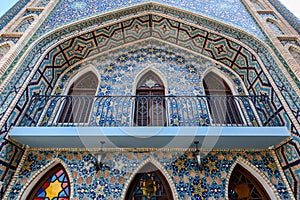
column 243, row 185
column 78, row 103
column 149, row 184
column 221, row 102
column 55, row 184
column 150, row 103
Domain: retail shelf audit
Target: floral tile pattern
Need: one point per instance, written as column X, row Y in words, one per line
column 229, row 11
column 114, row 177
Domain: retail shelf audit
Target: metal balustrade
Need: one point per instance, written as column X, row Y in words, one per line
column 149, row 111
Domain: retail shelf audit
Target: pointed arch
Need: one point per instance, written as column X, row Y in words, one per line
column 53, row 173
column 149, row 167
column 227, row 79
column 222, row 104
column 274, row 26
column 77, row 105
column 295, row 52
column 24, row 24
column 154, row 71
column 75, row 77
column 261, row 180
column 150, row 104
column 4, row 48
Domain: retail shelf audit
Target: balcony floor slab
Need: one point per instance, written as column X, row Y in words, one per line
column 150, row 137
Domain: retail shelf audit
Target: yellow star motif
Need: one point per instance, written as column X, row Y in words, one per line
column 26, row 166
column 151, row 50
column 53, row 190
column 121, row 58
column 109, row 67
column 180, row 60
column 192, row 69
column 102, row 58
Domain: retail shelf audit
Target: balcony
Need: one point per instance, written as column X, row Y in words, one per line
column 149, row 121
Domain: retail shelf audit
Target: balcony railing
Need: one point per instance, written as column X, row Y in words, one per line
column 148, row 111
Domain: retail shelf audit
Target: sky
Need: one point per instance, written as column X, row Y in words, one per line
column 292, row 5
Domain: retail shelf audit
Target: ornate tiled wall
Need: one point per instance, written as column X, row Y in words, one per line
column 42, row 3
column 229, row 11
column 119, row 68
column 24, row 25
column 3, row 50
column 228, row 51
column 120, row 167
column 275, row 27
column 10, row 156
column 5, row 19
column 290, row 17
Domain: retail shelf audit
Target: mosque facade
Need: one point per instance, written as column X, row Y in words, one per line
column 140, row 99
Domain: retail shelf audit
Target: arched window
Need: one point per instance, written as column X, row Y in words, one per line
column 149, row 184
column 221, row 102
column 274, row 27
column 150, row 103
column 24, row 25
column 295, row 52
column 78, row 103
column 3, row 50
column 242, row 185
column 53, row 185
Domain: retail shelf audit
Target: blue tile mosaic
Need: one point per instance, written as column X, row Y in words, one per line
column 111, row 181
column 24, row 25
column 290, row 17
column 11, row 13
column 265, row 16
column 275, row 28
column 232, row 12
column 276, row 73
column 31, row 12
column 43, row 3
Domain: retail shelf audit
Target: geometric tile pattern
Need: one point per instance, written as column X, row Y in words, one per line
column 232, row 12
column 118, row 69
column 120, row 166
column 215, row 46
